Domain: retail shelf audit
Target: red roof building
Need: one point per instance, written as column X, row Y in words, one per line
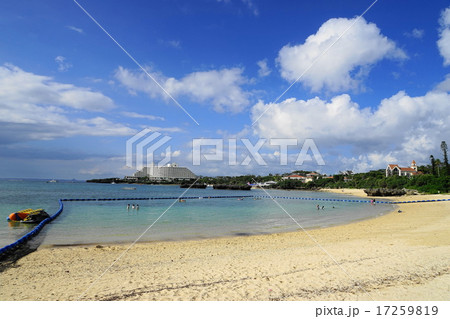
column 394, row 169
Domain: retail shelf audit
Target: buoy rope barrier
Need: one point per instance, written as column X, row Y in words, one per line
column 25, row 238
column 355, row 200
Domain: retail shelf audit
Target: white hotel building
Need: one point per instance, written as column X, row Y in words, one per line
column 168, row 172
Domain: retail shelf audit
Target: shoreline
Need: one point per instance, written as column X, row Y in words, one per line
column 393, row 257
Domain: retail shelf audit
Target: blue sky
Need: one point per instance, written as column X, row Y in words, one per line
column 375, row 90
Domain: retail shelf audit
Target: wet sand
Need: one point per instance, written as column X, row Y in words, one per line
column 398, row 256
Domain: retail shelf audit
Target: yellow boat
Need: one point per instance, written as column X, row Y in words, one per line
column 36, row 216
column 19, row 215
column 28, row 215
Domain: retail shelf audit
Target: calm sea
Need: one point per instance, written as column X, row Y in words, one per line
column 111, row 222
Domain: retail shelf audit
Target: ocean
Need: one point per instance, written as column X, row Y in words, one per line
column 111, row 221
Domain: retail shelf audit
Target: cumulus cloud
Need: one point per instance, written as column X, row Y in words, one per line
column 221, row 88
column 346, row 63
column 19, row 86
column 401, row 127
column 34, row 107
column 264, row 70
column 444, row 85
column 444, row 36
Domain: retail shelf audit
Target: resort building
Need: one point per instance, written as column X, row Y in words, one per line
column 294, row 177
column 304, row 179
column 313, row 175
column 168, row 172
column 394, row 169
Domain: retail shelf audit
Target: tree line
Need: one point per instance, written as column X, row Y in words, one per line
column 434, row 178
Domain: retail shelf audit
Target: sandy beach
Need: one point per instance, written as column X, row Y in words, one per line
column 398, row 256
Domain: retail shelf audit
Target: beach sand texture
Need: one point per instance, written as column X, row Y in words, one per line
column 398, row 256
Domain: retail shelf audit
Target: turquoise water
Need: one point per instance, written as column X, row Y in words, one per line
column 111, row 222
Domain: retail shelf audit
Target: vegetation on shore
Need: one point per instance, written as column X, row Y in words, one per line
column 432, row 179
column 424, row 183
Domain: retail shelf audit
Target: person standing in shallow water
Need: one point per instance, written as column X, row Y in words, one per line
column 318, row 207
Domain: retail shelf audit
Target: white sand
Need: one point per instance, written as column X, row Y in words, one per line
column 399, row 256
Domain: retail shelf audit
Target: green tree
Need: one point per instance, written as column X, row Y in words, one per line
column 433, row 165
column 438, row 165
column 444, row 153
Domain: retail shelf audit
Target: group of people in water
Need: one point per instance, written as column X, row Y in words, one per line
column 372, row 202
column 132, row 206
column 323, row 207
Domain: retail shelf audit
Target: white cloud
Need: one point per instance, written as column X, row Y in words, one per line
column 18, row 86
column 221, row 88
column 415, row 33
column 142, row 116
column 345, row 63
column 62, row 64
column 367, row 162
column 444, row 36
column 444, row 85
column 102, row 167
column 71, row 27
column 33, row 107
column 176, row 153
column 264, row 70
column 401, row 127
column 164, row 129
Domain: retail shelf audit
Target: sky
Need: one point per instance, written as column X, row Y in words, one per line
column 325, row 85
